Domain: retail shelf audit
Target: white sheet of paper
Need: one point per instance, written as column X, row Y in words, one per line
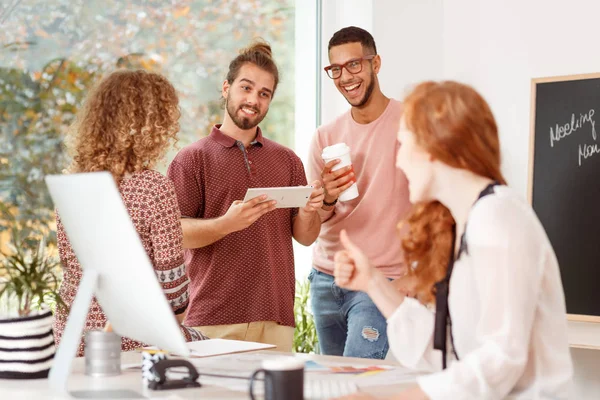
column 215, row 347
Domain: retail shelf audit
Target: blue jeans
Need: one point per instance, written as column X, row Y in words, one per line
column 348, row 323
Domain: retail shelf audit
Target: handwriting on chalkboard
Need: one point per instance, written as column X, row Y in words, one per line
column 587, row 150
column 564, row 130
column 561, row 131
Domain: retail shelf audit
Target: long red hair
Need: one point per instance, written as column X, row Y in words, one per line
column 453, row 123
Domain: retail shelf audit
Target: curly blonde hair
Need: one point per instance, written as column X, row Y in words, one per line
column 453, row 123
column 127, row 124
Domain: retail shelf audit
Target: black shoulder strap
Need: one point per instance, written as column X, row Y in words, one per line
column 442, row 291
column 442, row 315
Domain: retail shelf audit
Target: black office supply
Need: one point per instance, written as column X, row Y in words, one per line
column 162, row 383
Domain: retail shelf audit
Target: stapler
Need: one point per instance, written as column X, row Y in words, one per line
column 162, row 383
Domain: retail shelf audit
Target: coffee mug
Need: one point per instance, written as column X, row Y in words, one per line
column 102, row 353
column 284, row 379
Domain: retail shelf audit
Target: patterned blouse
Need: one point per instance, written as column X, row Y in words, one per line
column 150, row 200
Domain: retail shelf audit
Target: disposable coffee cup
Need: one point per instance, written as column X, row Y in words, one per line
column 341, row 151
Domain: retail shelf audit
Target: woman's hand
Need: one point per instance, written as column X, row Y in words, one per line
column 353, row 271
column 352, row 268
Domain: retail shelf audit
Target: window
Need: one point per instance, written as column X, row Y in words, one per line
column 52, row 51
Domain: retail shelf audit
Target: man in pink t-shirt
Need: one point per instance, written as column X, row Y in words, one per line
column 348, row 323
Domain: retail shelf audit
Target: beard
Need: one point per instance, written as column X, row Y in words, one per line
column 367, row 95
column 244, row 123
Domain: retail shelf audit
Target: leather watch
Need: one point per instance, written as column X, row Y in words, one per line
column 329, row 204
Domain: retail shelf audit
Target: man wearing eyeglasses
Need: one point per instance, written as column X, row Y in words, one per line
column 348, row 323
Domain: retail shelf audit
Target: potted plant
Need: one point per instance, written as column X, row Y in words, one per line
column 28, row 290
column 305, row 334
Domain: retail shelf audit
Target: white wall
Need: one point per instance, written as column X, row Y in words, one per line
column 498, row 47
column 516, row 41
column 406, row 31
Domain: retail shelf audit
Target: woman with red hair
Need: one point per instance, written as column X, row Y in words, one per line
column 483, row 292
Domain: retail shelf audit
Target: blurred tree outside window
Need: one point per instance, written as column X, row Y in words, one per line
column 53, row 51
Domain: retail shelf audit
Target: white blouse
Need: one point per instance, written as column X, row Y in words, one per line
column 508, row 313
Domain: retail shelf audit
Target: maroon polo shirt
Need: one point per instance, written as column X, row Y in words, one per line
column 247, row 275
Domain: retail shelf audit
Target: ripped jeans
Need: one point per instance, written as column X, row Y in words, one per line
column 348, row 323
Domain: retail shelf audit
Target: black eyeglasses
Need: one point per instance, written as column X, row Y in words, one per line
column 353, row 66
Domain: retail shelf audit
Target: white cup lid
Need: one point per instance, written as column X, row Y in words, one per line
column 283, row 364
column 335, row 150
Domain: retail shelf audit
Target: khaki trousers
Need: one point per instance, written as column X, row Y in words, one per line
column 268, row 332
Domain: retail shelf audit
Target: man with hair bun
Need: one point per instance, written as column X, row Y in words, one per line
column 239, row 255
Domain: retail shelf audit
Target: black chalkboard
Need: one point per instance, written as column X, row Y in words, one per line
column 565, row 182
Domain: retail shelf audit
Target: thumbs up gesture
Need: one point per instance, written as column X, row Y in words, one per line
column 352, row 268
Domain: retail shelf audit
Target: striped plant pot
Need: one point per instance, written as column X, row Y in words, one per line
column 26, row 346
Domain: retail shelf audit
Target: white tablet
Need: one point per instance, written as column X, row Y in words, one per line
column 286, row 197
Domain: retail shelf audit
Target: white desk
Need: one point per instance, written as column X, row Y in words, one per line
column 131, row 380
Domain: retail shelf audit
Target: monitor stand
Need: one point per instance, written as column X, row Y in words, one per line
column 67, row 350
column 106, row 394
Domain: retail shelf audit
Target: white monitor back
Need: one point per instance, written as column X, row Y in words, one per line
column 105, row 240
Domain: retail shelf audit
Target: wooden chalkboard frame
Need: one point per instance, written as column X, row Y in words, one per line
column 534, row 83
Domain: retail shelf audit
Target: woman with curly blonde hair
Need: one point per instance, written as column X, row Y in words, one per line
column 486, row 288
column 126, row 126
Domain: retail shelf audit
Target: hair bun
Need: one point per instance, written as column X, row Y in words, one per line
column 259, row 46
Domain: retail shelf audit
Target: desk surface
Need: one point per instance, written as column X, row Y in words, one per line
column 130, row 379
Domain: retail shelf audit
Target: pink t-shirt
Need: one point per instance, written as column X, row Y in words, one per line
column 371, row 218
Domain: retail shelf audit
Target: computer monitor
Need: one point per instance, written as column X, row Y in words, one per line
column 116, row 269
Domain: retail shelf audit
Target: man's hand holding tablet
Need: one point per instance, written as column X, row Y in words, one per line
column 259, row 201
column 285, row 197
column 242, row 214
